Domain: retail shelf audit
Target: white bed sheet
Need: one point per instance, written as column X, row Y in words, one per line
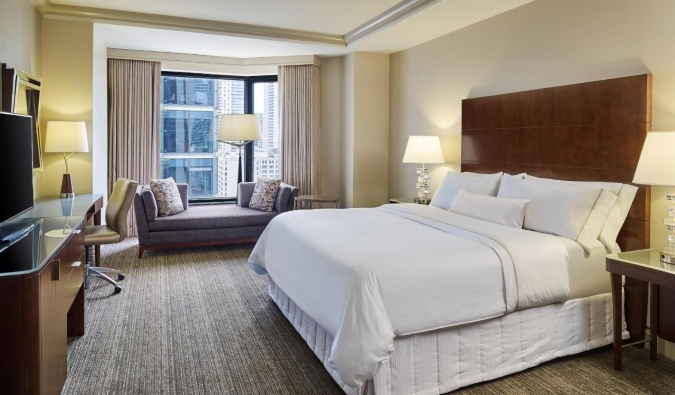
column 366, row 275
column 587, row 272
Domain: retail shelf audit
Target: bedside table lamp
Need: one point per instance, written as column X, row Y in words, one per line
column 239, row 130
column 66, row 138
column 423, row 149
column 657, row 167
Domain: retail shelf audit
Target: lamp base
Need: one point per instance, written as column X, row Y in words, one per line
column 419, row 200
column 67, row 186
column 667, row 257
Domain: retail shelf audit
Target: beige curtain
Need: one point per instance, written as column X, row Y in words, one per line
column 300, row 113
column 133, row 123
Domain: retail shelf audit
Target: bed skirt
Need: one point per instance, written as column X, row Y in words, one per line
column 444, row 360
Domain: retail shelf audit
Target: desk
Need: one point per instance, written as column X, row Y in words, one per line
column 88, row 206
column 42, row 294
column 643, row 265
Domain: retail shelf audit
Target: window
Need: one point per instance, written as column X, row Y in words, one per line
column 191, row 108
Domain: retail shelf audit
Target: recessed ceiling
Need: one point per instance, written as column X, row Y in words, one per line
column 325, row 16
column 321, row 16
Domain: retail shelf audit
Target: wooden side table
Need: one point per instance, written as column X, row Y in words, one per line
column 305, row 201
column 643, row 265
column 405, row 200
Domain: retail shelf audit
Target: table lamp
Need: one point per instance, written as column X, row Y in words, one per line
column 239, row 130
column 67, row 138
column 657, row 167
column 423, row 149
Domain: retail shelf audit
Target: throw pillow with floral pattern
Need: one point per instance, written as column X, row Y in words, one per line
column 264, row 194
column 167, row 197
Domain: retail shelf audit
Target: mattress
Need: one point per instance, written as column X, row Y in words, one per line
column 440, row 361
column 587, row 272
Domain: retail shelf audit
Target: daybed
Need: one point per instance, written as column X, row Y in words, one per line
column 208, row 224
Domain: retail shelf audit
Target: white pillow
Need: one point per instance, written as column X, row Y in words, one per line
column 618, row 216
column 485, row 184
column 555, row 209
column 619, row 212
column 503, row 211
column 600, row 212
column 590, row 233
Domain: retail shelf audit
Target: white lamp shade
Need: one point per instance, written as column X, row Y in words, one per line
column 66, row 137
column 239, row 127
column 657, row 161
column 423, row 149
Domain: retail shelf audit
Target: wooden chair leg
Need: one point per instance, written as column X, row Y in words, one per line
column 141, row 250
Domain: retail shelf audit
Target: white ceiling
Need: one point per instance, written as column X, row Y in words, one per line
column 323, row 16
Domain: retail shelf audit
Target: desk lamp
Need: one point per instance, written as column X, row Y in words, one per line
column 66, row 137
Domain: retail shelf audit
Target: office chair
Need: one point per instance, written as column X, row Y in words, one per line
column 114, row 231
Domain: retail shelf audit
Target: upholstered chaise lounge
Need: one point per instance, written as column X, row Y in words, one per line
column 205, row 225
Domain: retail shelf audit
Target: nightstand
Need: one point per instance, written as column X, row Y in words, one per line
column 643, row 265
column 404, row 200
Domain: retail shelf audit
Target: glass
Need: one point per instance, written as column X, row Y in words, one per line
column 266, row 151
column 191, row 110
column 30, row 251
column 649, row 258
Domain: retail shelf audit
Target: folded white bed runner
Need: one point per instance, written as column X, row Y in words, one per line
column 367, row 275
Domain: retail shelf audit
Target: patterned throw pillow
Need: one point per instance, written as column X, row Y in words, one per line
column 167, row 197
column 264, row 194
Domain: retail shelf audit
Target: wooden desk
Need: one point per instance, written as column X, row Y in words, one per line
column 42, row 289
column 643, row 265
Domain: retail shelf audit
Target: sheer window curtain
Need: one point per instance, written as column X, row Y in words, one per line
column 300, row 120
column 133, row 123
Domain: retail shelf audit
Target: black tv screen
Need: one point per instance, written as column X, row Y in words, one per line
column 16, row 165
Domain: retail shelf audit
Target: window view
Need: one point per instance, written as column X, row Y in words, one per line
column 266, row 150
column 190, row 110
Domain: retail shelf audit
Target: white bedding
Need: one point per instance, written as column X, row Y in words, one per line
column 588, row 276
column 367, row 275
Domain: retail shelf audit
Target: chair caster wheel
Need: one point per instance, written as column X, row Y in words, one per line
column 118, row 290
column 120, row 277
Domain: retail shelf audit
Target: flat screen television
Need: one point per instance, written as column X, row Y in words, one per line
column 16, row 165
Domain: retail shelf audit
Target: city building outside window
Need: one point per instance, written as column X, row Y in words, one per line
column 191, row 109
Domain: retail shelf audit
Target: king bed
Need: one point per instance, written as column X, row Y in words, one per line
column 500, row 273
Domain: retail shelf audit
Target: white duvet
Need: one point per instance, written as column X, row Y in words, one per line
column 367, row 275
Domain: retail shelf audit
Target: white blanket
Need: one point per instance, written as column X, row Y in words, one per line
column 367, row 275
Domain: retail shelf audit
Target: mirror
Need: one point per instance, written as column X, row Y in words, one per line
column 21, row 95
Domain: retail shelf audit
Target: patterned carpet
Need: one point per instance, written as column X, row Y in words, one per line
column 199, row 321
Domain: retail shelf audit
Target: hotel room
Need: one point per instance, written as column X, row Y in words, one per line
column 368, row 198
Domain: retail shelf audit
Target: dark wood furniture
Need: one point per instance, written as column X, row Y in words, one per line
column 305, row 201
column 643, row 265
column 592, row 131
column 42, row 289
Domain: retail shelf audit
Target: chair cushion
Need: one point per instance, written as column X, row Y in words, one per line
column 100, row 234
column 264, row 194
column 168, row 197
column 212, row 217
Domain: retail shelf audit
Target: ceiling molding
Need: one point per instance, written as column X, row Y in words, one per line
column 215, row 60
column 396, row 13
column 187, row 24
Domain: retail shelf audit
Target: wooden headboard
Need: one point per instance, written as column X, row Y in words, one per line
column 585, row 132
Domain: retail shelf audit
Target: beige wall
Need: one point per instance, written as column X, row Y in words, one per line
column 332, row 126
column 99, row 144
column 20, row 45
column 366, row 129
column 544, row 43
column 67, row 95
